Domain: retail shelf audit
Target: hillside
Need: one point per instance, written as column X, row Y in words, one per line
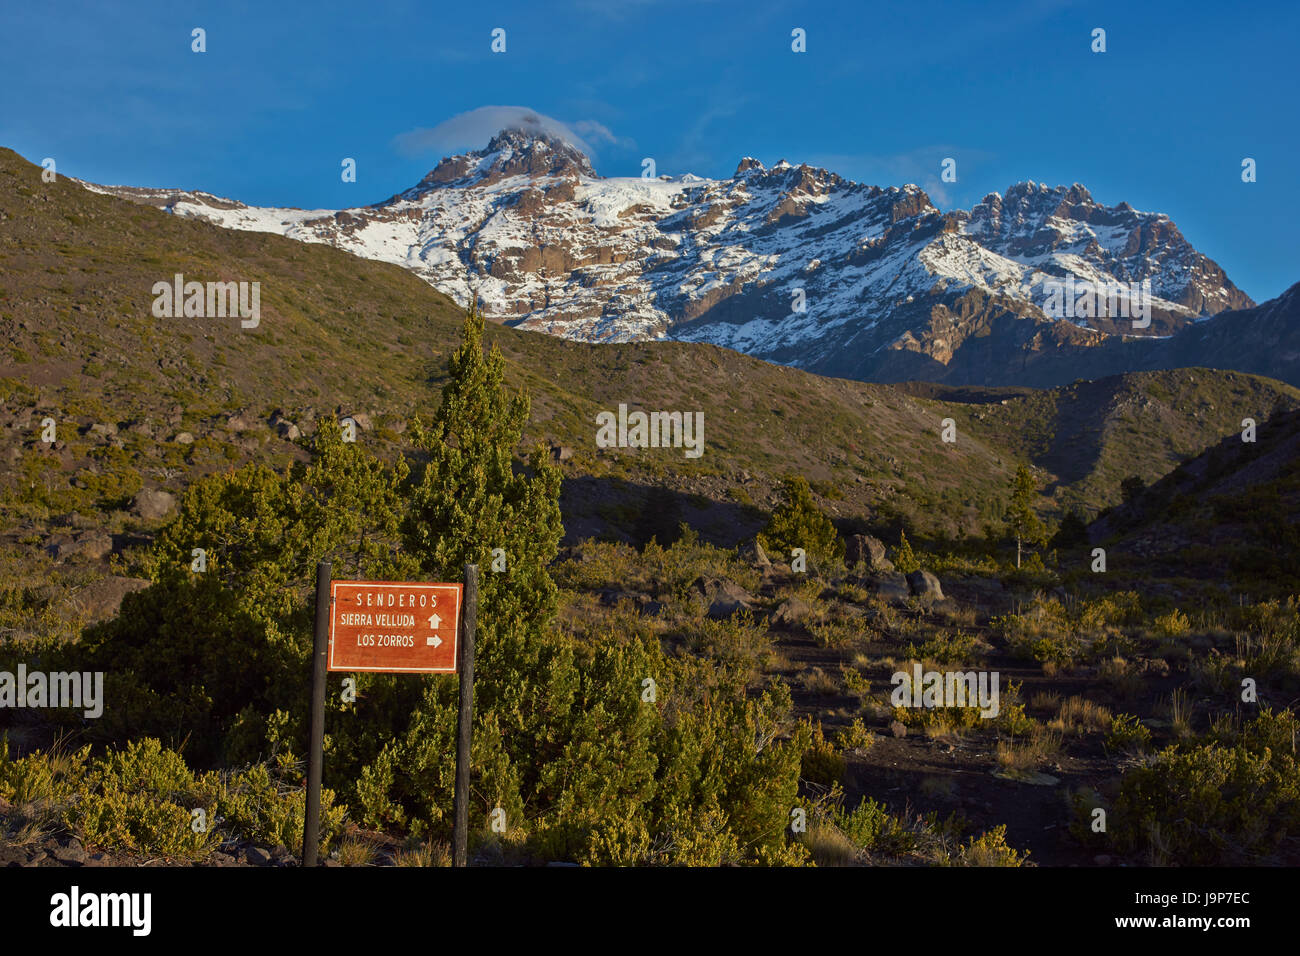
column 1224, row 520
column 147, row 404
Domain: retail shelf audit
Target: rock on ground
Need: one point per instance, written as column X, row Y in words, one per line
column 923, row 584
column 153, row 503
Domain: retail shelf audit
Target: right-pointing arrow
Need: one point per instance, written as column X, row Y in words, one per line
column 433, row 641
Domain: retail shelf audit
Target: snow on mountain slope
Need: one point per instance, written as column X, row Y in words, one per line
column 792, row 263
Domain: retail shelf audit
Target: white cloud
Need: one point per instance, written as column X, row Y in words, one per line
column 473, row 129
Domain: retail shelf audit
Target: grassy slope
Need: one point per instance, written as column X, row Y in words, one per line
column 342, row 334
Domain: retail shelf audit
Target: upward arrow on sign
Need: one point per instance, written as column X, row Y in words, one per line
column 435, row 622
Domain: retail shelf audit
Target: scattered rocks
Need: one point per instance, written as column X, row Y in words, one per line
column 153, row 503
column 898, row 728
column 288, row 431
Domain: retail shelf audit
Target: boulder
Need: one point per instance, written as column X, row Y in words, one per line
column 103, row 599
column 153, row 503
column 752, row 552
column 183, row 438
column 70, row 852
column 257, row 856
column 925, row 585
column 288, row 431
column 791, row 612
column 892, row 586
column 864, row 549
column 95, row 545
column 723, row 598
column 60, row 546
column 102, row 431
column 644, row 604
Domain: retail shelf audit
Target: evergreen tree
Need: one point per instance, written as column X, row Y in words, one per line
column 470, row 499
column 797, row 522
column 1131, row 488
column 1073, row 532
column 904, row 560
column 1022, row 522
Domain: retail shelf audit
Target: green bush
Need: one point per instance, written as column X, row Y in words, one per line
column 142, row 799
column 1126, row 733
column 1218, row 803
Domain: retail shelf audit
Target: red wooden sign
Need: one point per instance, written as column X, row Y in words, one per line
column 394, row 627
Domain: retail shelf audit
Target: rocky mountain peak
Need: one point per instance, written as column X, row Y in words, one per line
column 514, row 151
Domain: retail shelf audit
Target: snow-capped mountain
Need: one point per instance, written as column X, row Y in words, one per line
column 792, row 263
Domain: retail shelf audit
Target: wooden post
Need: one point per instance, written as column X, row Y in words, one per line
column 465, row 717
column 315, row 747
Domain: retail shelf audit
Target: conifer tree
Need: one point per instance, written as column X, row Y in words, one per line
column 1022, row 522
column 470, row 499
column 797, row 522
column 904, row 560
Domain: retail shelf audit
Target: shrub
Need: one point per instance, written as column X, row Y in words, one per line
column 1127, row 733
column 989, row 849
column 822, row 763
column 1215, row 803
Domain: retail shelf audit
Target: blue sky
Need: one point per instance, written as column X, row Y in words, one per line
column 1011, row 90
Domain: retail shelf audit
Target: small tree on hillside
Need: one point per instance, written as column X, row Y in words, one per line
column 797, row 522
column 904, row 558
column 1131, row 488
column 1073, row 532
column 1022, row 522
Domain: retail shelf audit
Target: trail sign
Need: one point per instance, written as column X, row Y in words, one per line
column 394, row 627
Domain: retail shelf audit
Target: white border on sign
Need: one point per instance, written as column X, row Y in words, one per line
column 457, row 589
